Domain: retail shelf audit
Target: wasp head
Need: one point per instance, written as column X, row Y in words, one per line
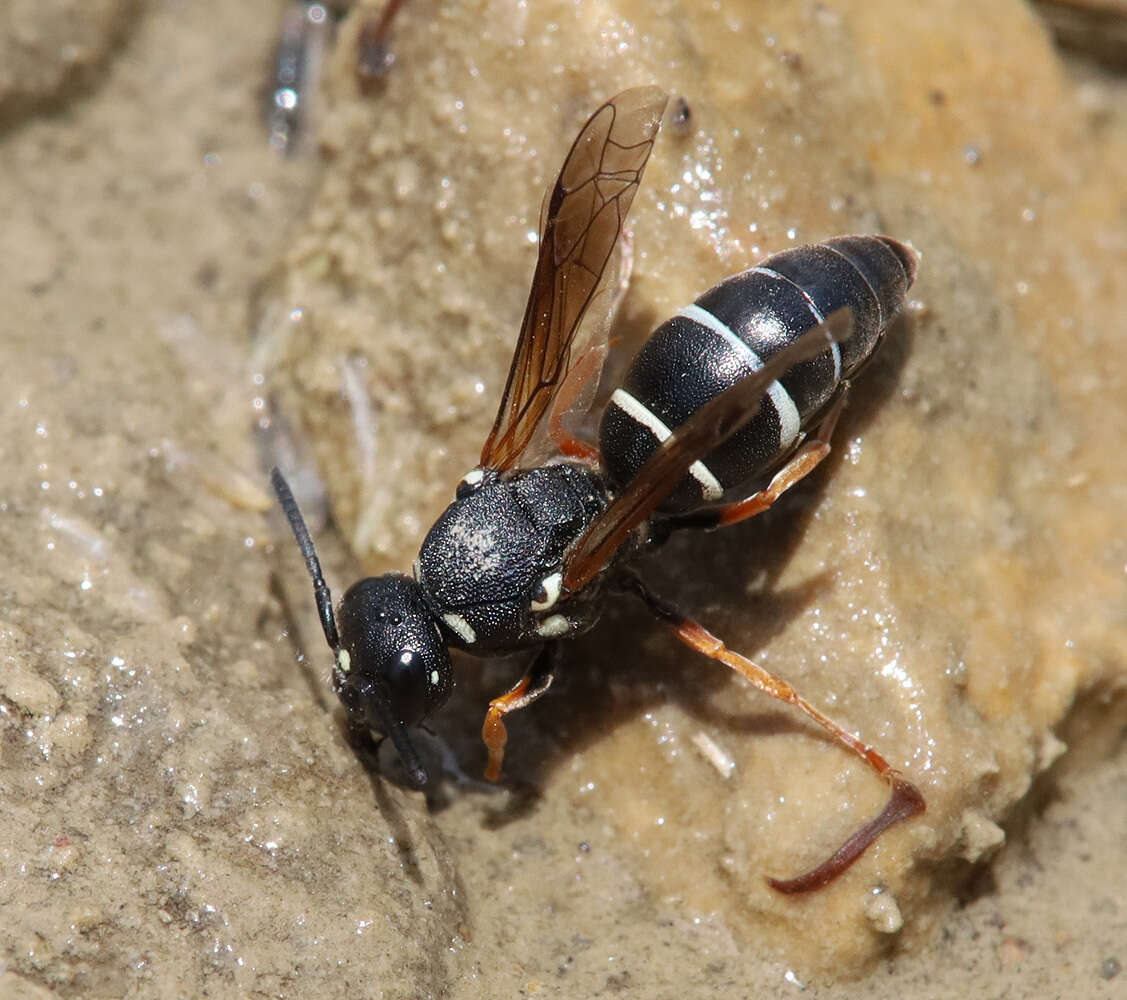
column 392, row 665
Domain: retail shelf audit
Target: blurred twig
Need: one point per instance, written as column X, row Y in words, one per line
column 1094, row 28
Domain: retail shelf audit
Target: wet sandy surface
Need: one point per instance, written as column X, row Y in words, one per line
column 184, row 812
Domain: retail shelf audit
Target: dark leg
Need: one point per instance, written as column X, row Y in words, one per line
column 536, row 680
column 906, row 800
column 802, row 463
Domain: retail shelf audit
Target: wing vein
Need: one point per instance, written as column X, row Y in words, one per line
column 587, row 210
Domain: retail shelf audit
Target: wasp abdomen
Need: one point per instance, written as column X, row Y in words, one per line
column 728, row 333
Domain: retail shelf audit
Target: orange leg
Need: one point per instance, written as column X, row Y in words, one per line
column 905, row 801
column 802, row 463
column 581, row 380
column 530, row 687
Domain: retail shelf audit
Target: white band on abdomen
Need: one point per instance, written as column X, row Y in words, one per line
column 710, row 487
column 790, row 423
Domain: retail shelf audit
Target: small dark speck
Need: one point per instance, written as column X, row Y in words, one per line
column 680, row 116
column 585, row 847
column 618, row 983
column 1110, row 968
column 207, row 274
column 374, row 59
column 792, row 60
column 937, row 98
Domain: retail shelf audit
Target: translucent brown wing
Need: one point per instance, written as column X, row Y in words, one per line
column 707, row 428
column 586, row 211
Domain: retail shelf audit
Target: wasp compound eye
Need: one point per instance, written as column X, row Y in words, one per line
column 407, row 683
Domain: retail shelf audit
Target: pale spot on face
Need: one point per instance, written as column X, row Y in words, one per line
column 344, row 661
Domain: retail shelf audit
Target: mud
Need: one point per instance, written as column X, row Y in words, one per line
column 183, row 811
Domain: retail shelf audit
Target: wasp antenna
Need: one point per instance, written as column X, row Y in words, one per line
column 320, row 589
column 408, row 755
column 377, row 710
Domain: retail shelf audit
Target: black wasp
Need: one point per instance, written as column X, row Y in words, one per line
column 741, row 387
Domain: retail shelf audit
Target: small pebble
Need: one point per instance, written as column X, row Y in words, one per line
column 883, row 912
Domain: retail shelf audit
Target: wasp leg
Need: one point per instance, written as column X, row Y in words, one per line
column 906, row 800
column 801, row 464
column 583, row 379
column 537, row 679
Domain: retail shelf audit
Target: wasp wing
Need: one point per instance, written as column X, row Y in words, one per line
column 584, row 219
column 707, row 428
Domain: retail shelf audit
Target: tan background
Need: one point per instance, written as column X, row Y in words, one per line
column 182, row 812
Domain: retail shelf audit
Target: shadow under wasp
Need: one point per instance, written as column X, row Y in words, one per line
column 740, row 389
